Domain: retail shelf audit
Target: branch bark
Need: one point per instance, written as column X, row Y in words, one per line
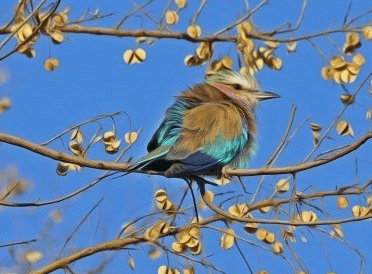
column 59, row 156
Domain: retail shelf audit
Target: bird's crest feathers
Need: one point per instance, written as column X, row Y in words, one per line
column 231, row 77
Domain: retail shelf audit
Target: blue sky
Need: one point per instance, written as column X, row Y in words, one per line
column 93, row 79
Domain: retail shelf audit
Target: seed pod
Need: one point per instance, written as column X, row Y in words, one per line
column 194, row 31
column 344, row 128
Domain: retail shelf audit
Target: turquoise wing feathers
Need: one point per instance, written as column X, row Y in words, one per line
column 171, row 144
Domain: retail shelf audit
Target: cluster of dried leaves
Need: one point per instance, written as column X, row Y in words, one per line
column 109, row 139
column 27, row 31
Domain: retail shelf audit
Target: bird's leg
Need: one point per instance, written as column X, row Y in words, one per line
column 189, row 181
column 201, row 181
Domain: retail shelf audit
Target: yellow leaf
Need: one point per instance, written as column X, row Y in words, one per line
column 278, row 248
column 282, row 186
column 51, row 64
column 177, row 247
column 342, row 202
column 270, row 238
column 171, row 17
column 131, row 263
column 189, row 270
column 251, row 227
column 34, row 256
column 131, row 137
column 261, row 234
column 154, row 253
column 227, row 239
column 344, row 128
column 134, row 57
column 359, row 59
column 291, row 47
column 367, row 32
column 194, row 31
column 181, row 3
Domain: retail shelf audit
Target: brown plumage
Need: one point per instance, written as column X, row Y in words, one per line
column 210, row 126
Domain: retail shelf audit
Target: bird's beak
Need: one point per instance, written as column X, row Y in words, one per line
column 264, row 95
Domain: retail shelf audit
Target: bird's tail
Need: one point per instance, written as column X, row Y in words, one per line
column 155, row 154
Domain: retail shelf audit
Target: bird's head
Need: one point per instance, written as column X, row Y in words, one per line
column 239, row 87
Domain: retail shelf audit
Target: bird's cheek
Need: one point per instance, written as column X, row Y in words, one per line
column 225, row 89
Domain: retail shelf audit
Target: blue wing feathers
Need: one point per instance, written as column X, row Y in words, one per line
column 171, row 125
column 212, row 155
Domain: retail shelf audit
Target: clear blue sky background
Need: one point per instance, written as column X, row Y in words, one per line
column 92, row 79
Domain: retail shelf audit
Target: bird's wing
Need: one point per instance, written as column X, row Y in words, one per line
column 170, row 126
column 212, row 135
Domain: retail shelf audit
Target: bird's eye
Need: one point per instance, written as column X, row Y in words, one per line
column 237, row 86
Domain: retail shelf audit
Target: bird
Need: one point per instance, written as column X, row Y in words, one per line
column 210, row 126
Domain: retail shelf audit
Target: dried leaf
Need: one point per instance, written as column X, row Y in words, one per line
column 5, row 104
column 134, row 57
column 270, row 238
column 342, row 202
column 194, row 31
column 57, row 36
column 367, row 32
column 238, row 210
column 222, row 181
column 291, row 47
column 359, row 60
column 194, row 232
column 360, row 211
column 171, row 17
column 34, row 256
column 352, row 43
column 228, row 239
column 56, row 216
column 251, row 227
column 282, row 186
column 160, row 195
column 189, row 270
column 196, row 250
column 51, row 64
column 159, row 228
column 308, row 216
column 277, row 63
column 272, row 44
column 288, row 234
column 154, row 253
column 109, row 137
column 192, row 242
column 131, row 137
column 75, row 147
column 77, row 135
column 181, row 3
column 184, row 237
column 193, row 60
column 278, row 248
column 338, row 62
column 204, row 51
column 344, row 128
column 177, row 247
column 345, row 76
column 141, row 39
column 62, row 168
column 347, row 99
column 337, row 231
column 264, row 209
column 261, row 234
column 210, row 196
column 328, row 73
column 131, row 263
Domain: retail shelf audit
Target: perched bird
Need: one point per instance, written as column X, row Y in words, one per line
column 210, row 126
